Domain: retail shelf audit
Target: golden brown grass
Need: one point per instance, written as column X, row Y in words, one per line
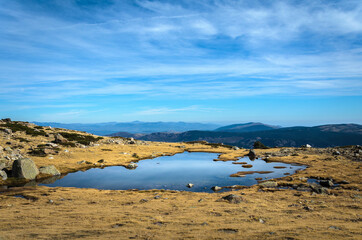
column 69, row 213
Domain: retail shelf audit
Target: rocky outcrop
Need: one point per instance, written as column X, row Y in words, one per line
column 49, row 170
column 24, row 168
column 59, row 139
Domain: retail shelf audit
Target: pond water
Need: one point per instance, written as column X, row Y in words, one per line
column 174, row 173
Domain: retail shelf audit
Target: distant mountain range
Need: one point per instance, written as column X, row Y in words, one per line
column 319, row 136
column 247, row 127
column 242, row 135
column 131, row 127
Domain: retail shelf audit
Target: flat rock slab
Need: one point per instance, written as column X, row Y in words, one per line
column 49, row 170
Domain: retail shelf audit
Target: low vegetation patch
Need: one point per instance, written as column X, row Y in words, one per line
column 106, row 149
column 22, row 139
column 79, row 138
column 68, row 144
column 260, row 145
column 17, row 127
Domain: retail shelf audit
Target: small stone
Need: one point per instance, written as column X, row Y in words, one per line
column 143, row 200
column 132, row 166
column 261, row 220
column 117, row 225
column 216, row 188
column 336, row 153
column 80, row 162
column 101, row 161
column 232, row 198
column 50, row 201
column 157, row 197
column 308, row 208
column 334, row 228
column 190, row 185
column 303, row 179
column 8, row 149
column 235, row 148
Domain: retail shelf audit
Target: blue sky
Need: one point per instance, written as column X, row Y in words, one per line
column 278, row 62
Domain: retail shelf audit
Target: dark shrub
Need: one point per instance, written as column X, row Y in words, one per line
column 259, row 145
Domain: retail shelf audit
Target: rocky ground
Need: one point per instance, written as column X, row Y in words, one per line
column 321, row 202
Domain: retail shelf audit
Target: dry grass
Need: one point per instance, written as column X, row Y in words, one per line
column 68, row 213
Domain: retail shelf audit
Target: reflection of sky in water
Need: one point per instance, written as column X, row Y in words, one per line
column 174, row 172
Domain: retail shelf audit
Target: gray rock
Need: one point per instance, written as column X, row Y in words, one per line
column 216, row 188
column 8, row 149
column 235, row 148
column 132, row 166
column 190, row 185
column 49, row 170
column 318, row 189
column 53, row 145
column 252, row 154
column 268, row 184
column 336, row 153
column 25, row 168
column 8, row 131
column 3, row 175
column 232, row 198
column 59, row 139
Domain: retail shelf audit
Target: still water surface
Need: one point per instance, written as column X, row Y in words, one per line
column 174, row 173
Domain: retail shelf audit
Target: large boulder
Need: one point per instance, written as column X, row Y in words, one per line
column 24, row 168
column 49, row 170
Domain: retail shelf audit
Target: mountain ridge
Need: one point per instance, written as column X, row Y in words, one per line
column 246, row 127
column 330, row 135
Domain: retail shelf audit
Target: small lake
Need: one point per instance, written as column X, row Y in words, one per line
column 174, row 173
